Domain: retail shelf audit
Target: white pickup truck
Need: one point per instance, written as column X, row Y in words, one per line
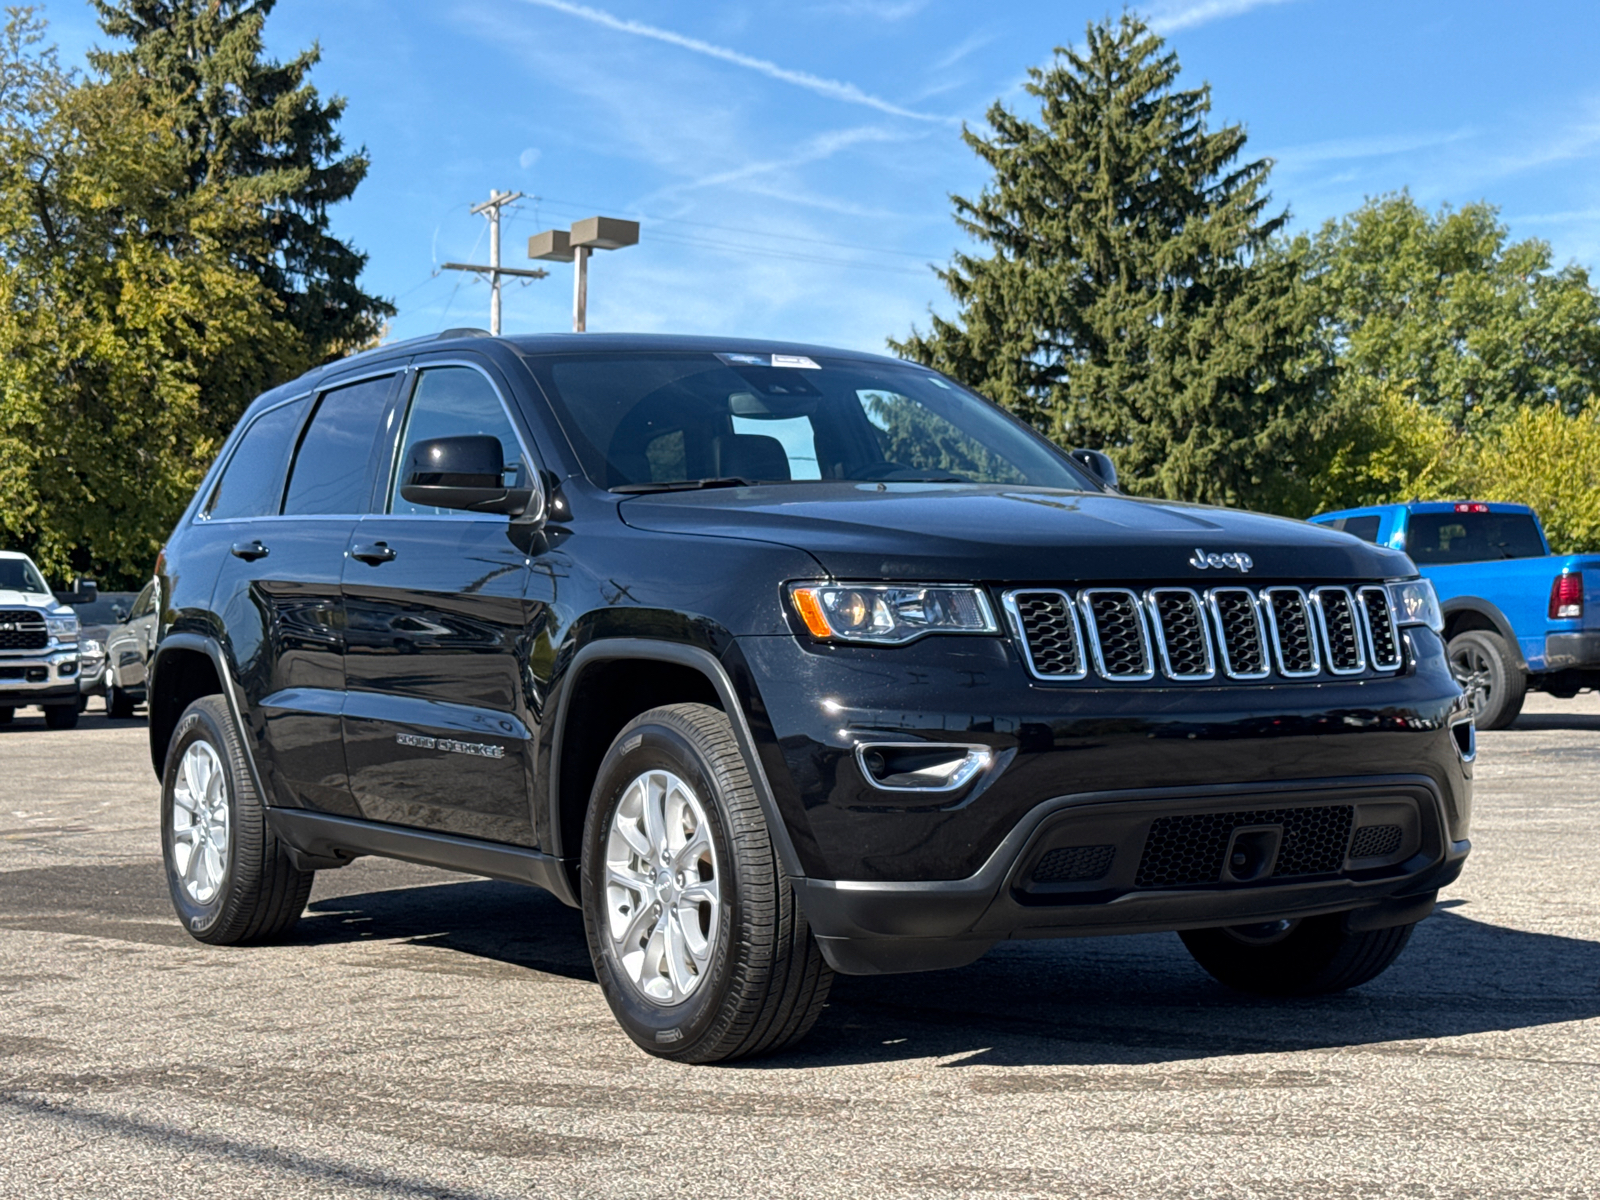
column 38, row 643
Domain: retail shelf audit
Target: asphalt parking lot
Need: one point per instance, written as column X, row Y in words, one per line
column 426, row 1035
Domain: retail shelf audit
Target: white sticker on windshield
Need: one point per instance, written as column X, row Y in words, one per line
column 794, row 360
column 751, row 360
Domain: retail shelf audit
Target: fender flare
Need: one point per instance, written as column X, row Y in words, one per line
column 1490, row 612
column 212, row 649
column 707, row 664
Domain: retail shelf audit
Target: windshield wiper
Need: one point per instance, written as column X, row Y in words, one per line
column 687, row 485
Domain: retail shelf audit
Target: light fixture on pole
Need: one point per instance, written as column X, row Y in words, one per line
column 573, row 246
column 491, row 208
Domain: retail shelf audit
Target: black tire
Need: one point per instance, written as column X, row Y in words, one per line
column 1487, row 671
column 61, row 716
column 83, row 704
column 6, row 715
column 261, row 894
column 1309, row 957
column 766, row 983
column 119, row 705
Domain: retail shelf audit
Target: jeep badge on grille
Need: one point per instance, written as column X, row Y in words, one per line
column 1231, row 558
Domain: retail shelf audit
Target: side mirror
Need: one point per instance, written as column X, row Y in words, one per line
column 466, row 473
column 88, row 590
column 1097, row 464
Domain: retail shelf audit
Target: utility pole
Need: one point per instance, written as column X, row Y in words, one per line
column 491, row 209
column 573, row 246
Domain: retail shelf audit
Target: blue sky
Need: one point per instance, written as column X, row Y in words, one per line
column 791, row 160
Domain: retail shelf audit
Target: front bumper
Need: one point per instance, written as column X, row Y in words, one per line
column 898, row 880
column 39, row 679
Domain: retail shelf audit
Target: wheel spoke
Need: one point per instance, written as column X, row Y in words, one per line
column 655, row 794
column 700, row 893
column 683, row 979
column 692, row 851
column 631, row 880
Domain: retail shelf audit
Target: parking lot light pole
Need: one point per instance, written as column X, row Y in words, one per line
column 574, row 245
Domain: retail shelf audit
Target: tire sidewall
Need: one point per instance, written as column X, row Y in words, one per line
column 676, row 1029
column 198, row 725
column 1495, row 702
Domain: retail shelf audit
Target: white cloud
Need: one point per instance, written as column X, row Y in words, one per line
column 528, row 157
column 834, row 89
column 879, row 10
column 1173, row 17
column 1379, row 146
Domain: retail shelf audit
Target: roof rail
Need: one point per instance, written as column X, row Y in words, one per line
column 463, row 331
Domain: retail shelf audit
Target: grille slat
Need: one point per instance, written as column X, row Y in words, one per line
column 1382, row 638
column 1047, row 623
column 1187, row 851
column 22, row 629
column 1117, row 633
column 1341, row 631
column 1281, row 631
column 1179, row 622
column 1239, row 633
column 1293, row 637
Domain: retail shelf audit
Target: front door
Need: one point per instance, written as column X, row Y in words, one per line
column 434, row 719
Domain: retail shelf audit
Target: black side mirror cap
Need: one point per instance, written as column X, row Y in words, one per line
column 1097, row 464
column 88, row 590
column 465, row 473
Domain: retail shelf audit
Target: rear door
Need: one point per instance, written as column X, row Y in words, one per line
column 435, row 725
column 278, row 591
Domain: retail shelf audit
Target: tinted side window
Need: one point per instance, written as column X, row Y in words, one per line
column 145, row 604
column 252, row 483
column 1365, row 528
column 454, row 402
column 330, row 468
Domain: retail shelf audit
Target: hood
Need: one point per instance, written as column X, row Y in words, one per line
column 936, row 532
column 49, row 604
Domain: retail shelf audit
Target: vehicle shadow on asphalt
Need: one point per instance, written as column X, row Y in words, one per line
column 1545, row 721
column 1132, row 1000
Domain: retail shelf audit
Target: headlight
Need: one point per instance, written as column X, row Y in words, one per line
column 63, row 629
column 890, row 614
column 89, row 648
column 1415, row 603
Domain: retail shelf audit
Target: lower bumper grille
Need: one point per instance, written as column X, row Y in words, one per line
column 1187, row 850
column 1074, row 864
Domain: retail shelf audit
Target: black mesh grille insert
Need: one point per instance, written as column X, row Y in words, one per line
column 1241, row 631
column 1339, row 623
column 1051, row 633
column 1187, row 850
column 1375, row 841
column 1380, row 625
column 22, row 629
column 1115, row 614
column 1291, row 620
column 1074, row 864
column 1183, row 632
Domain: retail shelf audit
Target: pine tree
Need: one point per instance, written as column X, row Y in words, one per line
column 259, row 127
column 1131, row 297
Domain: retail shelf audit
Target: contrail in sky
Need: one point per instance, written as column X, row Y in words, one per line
column 832, row 88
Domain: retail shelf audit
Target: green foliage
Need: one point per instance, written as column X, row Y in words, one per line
column 1128, row 299
column 1443, row 308
column 259, row 129
column 130, row 339
column 913, row 435
column 1546, row 459
column 1383, row 446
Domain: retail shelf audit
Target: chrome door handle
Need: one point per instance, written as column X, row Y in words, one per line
column 375, row 554
column 249, row 551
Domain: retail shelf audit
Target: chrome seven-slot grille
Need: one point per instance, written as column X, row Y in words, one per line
column 1182, row 634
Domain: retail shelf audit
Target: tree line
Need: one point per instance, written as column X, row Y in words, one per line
column 166, row 255
column 1135, row 291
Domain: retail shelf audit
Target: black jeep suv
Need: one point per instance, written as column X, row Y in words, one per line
column 780, row 661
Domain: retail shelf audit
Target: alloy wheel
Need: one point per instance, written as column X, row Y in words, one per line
column 1472, row 671
column 200, row 822
column 662, row 887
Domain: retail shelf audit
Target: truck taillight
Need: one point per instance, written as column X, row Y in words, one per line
column 1566, row 597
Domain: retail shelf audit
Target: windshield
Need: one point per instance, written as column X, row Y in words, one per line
column 652, row 419
column 20, row 575
column 1457, row 537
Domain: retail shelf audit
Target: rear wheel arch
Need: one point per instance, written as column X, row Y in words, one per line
column 185, row 668
column 610, row 682
column 1465, row 613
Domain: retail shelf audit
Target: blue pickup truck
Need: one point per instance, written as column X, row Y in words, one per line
column 1516, row 617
